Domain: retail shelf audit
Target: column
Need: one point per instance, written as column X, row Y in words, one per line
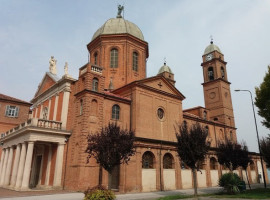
column 55, row 107
column 36, row 111
column 4, row 152
column 65, row 109
column 4, row 167
column 58, row 165
column 27, row 165
column 49, row 108
column 41, row 112
column 47, row 179
column 9, row 164
column 2, row 160
column 21, row 166
column 15, row 166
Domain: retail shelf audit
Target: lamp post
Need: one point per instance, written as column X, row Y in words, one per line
column 256, row 132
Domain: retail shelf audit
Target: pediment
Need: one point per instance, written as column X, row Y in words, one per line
column 160, row 83
column 48, row 81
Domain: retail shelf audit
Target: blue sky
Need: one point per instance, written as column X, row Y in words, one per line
column 33, row 30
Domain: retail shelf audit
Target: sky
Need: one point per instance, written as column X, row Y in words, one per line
column 31, row 31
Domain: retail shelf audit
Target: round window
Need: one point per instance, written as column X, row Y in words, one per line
column 160, row 113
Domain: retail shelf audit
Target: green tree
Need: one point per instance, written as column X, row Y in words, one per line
column 265, row 150
column 192, row 147
column 110, row 147
column 228, row 154
column 244, row 159
column 262, row 99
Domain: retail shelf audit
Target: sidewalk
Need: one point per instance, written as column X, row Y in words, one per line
column 6, row 194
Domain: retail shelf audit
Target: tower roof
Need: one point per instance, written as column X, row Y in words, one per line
column 210, row 48
column 165, row 68
column 119, row 26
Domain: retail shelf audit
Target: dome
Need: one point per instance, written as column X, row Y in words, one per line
column 165, row 68
column 118, row 26
column 210, row 48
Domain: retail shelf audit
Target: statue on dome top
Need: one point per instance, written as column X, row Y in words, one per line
column 120, row 9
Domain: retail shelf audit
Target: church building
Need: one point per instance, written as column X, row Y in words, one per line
column 48, row 150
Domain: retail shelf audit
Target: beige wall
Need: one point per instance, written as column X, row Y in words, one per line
column 214, row 177
column 253, row 176
column 149, row 180
column 201, row 177
column 169, row 179
column 186, row 178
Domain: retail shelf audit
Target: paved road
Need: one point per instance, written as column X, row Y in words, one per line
column 135, row 196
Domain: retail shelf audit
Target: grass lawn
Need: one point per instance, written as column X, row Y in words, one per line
column 259, row 193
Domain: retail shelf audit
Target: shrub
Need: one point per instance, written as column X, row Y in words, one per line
column 231, row 182
column 98, row 193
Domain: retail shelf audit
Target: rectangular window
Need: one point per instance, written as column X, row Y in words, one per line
column 12, row 111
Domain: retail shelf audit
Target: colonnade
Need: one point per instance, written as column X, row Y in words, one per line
column 15, row 171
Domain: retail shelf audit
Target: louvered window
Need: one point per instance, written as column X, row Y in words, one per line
column 12, row 111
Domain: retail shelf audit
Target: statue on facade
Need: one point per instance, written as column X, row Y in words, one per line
column 66, row 68
column 52, row 67
column 120, row 9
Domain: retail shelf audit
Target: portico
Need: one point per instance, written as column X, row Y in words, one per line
column 33, row 155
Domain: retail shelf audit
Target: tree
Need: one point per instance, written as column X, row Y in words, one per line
column 110, row 147
column 228, row 155
column 192, row 147
column 262, row 100
column 233, row 155
column 265, row 150
column 244, row 159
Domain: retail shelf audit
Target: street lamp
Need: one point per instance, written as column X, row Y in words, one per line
column 256, row 131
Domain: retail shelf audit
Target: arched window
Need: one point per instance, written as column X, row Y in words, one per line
column 114, row 58
column 215, row 119
column 95, row 84
column 222, row 72
column 210, row 74
column 252, row 165
column 115, row 112
column 45, row 113
column 168, row 161
column 160, row 113
column 96, row 58
column 148, row 160
column 81, row 107
column 204, row 115
column 135, row 61
column 213, row 164
column 94, row 107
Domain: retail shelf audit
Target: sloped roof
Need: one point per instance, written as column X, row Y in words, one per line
column 9, row 98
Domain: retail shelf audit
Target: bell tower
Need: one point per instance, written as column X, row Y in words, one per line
column 217, row 93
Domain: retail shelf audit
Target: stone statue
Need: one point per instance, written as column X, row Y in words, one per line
column 120, row 9
column 53, row 65
column 66, row 68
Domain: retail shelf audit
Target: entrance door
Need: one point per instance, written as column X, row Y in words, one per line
column 115, row 178
column 37, row 171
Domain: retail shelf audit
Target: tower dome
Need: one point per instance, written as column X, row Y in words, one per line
column 119, row 26
column 210, row 48
column 165, row 68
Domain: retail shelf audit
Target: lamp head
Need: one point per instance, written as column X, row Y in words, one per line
column 237, row 90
